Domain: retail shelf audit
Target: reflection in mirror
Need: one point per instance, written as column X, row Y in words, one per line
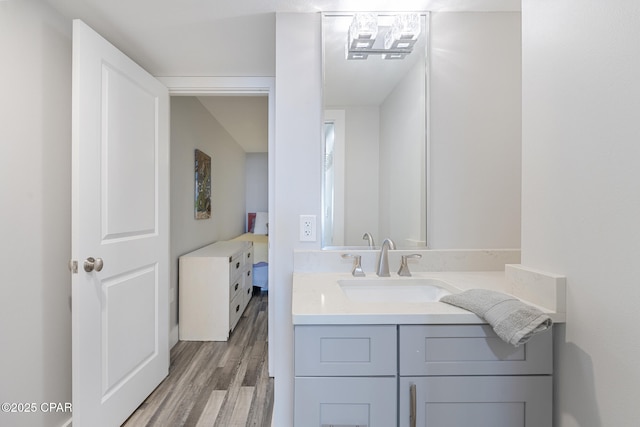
column 375, row 135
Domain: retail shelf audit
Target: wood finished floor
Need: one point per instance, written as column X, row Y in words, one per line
column 221, row 384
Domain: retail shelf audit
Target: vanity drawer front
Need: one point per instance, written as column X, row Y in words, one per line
column 345, row 402
column 470, row 350
column 345, row 350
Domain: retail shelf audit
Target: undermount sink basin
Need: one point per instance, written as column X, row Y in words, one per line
column 395, row 289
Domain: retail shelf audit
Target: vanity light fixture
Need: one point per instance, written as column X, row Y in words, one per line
column 402, row 35
column 396, row 40
column 362, row 35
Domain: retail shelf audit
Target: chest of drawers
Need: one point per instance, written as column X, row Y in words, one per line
column 214, row 288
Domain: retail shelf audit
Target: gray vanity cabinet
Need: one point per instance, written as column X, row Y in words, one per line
column 433, row 375
column 464, row 375
column 345, row 376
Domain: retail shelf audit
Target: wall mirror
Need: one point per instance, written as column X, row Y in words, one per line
column 375, row 111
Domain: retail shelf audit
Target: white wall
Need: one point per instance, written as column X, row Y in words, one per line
column 361, row 198
column 581, row 195
column 257, row 182
column 298, row 172
column 192, row 126
column 35, row 219
column 361, row 172
column 475, row 126
column 402, row 154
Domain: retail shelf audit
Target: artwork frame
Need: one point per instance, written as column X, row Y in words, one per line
column 202, row 202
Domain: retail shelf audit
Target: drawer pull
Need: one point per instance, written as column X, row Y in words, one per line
column 237, row 308
column 237, row 265
column 249, row 255
column 235, row 288
column 249, row 273
column 412, row 405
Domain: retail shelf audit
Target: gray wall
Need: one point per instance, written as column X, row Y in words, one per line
column 581, row 195
column 35, row 219
column 257, row 182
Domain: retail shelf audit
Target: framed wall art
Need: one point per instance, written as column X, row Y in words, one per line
column 203, row 185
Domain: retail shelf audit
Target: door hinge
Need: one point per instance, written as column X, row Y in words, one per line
column 73, row 266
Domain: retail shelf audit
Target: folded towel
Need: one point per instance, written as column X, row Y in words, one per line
column 512, row 320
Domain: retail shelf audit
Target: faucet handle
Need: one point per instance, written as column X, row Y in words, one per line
column 357, row 270
column 369, row 238
column 404, row 265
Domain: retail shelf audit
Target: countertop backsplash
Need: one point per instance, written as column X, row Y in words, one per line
column 321, row 261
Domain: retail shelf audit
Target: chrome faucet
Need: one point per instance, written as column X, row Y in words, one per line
column 383, row 258
column 369, row 239
column 404, row 264
column 357, row 270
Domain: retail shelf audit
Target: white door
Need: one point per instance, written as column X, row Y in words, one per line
column 120, row 218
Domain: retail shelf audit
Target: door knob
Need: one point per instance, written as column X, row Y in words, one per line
column 91, row 264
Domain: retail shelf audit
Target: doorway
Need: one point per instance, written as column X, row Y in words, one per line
column 240, row 86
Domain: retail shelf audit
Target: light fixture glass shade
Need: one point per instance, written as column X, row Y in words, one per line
column 363, row 31
column 394, row 55
column 404, row 31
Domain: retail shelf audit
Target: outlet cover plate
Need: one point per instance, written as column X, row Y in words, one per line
column 307, row 228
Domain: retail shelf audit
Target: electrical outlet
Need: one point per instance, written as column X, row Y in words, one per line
column 307, row 228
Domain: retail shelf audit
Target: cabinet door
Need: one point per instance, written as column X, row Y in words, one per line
column 344, row 401
column 517, row 401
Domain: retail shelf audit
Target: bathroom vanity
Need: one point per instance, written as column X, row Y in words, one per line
column 410, row 362
column 439, row 375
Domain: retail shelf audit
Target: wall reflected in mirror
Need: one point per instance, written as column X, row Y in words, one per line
column 374, row 177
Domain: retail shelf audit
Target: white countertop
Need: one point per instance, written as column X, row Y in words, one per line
column 318, row 299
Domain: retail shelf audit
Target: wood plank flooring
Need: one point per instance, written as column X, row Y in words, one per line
column 220, row 384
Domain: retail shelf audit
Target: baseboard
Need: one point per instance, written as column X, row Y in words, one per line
column 173, row 336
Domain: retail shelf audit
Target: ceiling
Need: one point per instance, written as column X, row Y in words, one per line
column 244, row 117
column 222, row 37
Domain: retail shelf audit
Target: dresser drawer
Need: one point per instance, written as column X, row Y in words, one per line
column 247, row 284
column 235, row 287
column 247, row 277
column 248, row 256
column 236, row 308
column 470, row 350
column 345, row 350
column 236, row 264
